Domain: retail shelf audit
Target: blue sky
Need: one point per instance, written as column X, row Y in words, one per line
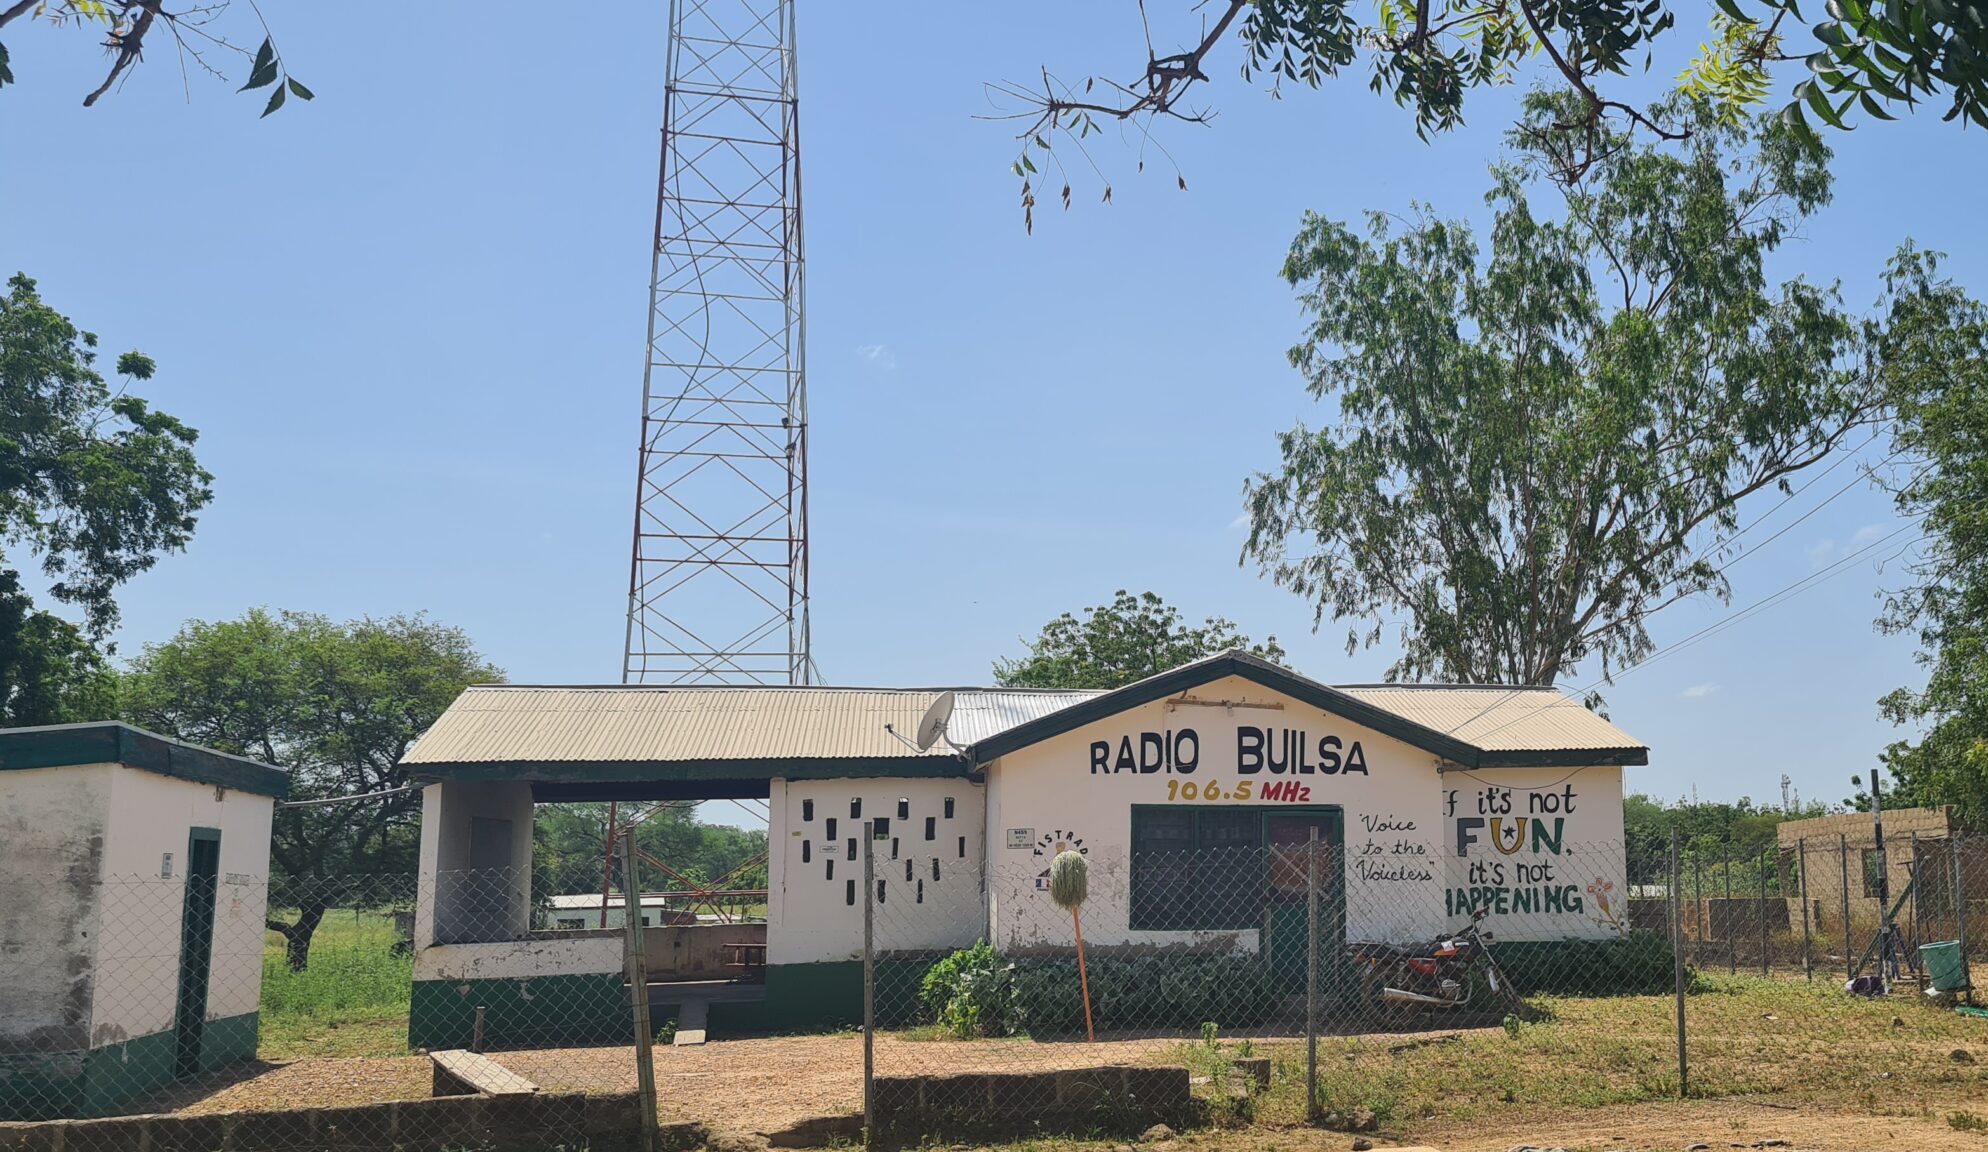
column 408, row 321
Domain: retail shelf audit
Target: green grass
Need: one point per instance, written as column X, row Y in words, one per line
column 352, row 999
column 1777, row 1040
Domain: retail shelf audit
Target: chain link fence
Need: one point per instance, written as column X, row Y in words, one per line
column 1387, row 983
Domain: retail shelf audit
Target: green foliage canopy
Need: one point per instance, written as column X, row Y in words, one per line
column 337, row 705
column 94, row 483
column 1129, row 639
column 570, row 846
column 1859, row 59
column 1537, row 452
column 1941, row 347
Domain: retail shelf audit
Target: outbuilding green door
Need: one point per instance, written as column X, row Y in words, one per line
column 196, row 948
column 1289, row 836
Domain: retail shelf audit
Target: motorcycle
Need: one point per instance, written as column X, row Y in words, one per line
column 1448, row 974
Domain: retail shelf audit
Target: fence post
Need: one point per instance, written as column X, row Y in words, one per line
column 638, row 987
column 1843, row 857
column 1732, row 944
column 1311, row 975
column 1762, row 910
column 1677, row 962
column 869, row 982
column 1802, row 884
column 1700, row 922
column 1960, row 900
column 1912, row 878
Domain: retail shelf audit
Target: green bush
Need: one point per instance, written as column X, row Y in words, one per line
column 976, row 992
column 1639, row 964
column 971, row 993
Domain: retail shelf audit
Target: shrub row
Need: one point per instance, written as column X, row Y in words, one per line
column 1639, row 964
column 977, row 992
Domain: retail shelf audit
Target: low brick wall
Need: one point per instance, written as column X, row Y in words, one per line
column 524, row 1123
column 1117, row 1095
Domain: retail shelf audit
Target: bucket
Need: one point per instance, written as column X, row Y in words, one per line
column 1946, row 967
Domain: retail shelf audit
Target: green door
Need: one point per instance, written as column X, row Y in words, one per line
column 196, row 948
column 1288, row 836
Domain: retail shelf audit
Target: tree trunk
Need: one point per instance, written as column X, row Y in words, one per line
column 297, row 937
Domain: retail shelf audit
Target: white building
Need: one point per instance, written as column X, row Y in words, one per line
column 1186, row 791
column 131, row 925
column 587, row 910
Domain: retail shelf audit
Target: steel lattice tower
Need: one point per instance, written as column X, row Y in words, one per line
column 718, row 586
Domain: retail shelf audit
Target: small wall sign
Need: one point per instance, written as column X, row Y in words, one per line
column 1023, row 838
column 166, row 866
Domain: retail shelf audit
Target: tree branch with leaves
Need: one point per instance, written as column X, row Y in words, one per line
column 1539, row 450
column 1878, row 58
column 194, row 30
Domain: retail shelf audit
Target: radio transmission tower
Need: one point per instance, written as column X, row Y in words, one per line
column 718, row 585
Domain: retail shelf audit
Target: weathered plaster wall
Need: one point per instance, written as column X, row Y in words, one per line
column 138, row 946
column 929, row 867
column 477, row 901
column 51, row 853
column 696, row 951
column 595, row 953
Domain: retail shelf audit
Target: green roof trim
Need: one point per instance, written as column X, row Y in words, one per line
column 114, row 742
column 609, row 771
column 1279, row 679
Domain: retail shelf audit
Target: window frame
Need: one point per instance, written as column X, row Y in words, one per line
column 1201, row 894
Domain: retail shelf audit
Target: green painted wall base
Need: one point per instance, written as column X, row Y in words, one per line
column 591, row 1008
column 71, row 1085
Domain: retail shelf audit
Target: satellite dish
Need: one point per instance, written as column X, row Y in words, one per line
column 932, row 725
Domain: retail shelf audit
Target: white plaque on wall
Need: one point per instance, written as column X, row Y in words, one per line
column 1021, row 837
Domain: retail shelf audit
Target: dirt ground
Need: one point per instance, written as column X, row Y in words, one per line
column 744, row 1086
column 757, row 1087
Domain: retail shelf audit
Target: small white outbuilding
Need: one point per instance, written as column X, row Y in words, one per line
column 135, row 871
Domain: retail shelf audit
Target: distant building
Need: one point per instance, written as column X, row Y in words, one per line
column 1839, row 854
column 573, row 913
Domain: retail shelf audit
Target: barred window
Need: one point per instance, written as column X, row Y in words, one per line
column 1197, row 869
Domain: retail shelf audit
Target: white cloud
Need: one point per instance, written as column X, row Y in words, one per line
column 1699, row 691
column 1241, row 521
column 878, row 354
column 1829, row 550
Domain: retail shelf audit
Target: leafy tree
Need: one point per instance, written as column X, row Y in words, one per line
column 200, row 35
column 1537, row 452
column 94, row 483
column 1129, row 639
column 571, row 842
column 1870, row 58
column 337, row 705
column 1942, row 395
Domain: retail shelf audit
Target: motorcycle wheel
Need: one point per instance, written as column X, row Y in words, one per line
column 1503, row 995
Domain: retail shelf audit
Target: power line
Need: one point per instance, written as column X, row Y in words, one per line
column 348, row 799
column 1743, row 530
column 1751, row 610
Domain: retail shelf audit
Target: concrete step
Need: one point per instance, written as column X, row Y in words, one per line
column 691, row 1023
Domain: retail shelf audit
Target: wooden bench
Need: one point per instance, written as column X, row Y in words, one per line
column 463, row 1073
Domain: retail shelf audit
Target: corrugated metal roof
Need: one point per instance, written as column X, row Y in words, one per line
column 644, row 723
column 653, row 724
column 1499, row 719
column 981, row 712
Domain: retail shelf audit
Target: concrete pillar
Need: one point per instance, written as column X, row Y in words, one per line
column 476, row 862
